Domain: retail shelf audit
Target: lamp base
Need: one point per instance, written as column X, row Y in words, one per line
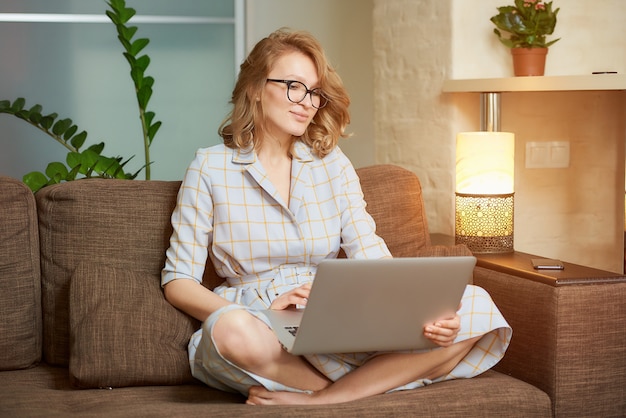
column 487, row 245
column 485, row 222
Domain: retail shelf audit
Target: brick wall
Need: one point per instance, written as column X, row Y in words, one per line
column 411, row 40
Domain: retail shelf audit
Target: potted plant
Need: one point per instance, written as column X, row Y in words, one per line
column 527, row 24
column 90, row 162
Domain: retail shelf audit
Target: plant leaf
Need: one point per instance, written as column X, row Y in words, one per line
column 18, row 104
column 126, row 13
column 35, row 114
column 148, row 81
column 73, row 159
column 23, row 114
column 125, row 43
column 36, row 109
column 127, row 32
column 103, row 164
column 114, row 18
column 70, row 132
column 153, row 130
column 56, row 171
column 97, row 148
column 35, row 180
column 47, row 121
column 143, row 96
column 61, row 126
column 143, row 62
column 78, row 140
column 148, row 116
column 137, row 75
column 88, row 160
column 121, row 13
column 73, row 173
column 138, row 45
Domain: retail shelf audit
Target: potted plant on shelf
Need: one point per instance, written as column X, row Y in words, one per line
column 527, row 24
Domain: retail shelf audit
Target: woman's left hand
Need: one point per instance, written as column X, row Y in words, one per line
column 443, row 331
column 292, row 298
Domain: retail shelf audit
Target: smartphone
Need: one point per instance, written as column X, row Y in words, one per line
column 547, row 264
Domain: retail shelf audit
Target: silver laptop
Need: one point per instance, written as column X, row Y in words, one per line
column 373, row 305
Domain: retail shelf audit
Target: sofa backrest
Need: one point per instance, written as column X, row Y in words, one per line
column 126, row 225
column 20, row 285
column 394, row 199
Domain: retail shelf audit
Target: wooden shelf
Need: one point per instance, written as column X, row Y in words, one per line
column 544, row 83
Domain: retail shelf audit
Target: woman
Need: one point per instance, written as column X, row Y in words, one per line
column 267, row 206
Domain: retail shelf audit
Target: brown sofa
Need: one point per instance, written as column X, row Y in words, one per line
column 85, row 330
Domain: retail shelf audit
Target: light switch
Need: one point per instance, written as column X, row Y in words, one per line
column 559, row 154
column 547, row 154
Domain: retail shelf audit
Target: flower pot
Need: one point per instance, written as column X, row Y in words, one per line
column 529, row 61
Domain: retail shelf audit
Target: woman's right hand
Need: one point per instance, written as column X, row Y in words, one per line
column 295, row 297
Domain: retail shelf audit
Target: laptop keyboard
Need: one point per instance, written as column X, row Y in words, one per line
column 292, row 330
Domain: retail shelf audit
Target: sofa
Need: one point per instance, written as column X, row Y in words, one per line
column 85, row 329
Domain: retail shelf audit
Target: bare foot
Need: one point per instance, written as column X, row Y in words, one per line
column 258, row 395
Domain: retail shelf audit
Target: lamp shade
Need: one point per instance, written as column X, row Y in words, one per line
column 485, row 163
column 484, row 191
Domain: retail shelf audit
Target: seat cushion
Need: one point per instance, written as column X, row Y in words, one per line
column 20, row 285
column 45, row 391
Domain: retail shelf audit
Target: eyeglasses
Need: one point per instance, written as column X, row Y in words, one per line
column 297, row 91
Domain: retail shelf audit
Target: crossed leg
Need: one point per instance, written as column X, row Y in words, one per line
column 379, row 375
column 263, row 355
column 247, row 342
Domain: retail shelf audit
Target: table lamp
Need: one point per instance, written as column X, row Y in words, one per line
column 484, row 191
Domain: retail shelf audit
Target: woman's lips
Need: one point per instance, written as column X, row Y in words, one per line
column 302, row 117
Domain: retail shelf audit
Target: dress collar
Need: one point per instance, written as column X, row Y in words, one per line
column 301, row 152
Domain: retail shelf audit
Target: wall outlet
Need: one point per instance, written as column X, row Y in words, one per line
column 547, row 154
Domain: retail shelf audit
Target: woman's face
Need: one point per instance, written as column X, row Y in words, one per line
column 283, row 118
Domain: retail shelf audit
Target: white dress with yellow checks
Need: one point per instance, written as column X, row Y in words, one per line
column 229, row 210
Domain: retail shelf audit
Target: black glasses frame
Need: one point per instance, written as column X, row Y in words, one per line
column 310, row 92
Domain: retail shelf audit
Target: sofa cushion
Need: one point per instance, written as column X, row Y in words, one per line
column 120, row 223
column 123, row 331
column 20, row 286
column 45, row 392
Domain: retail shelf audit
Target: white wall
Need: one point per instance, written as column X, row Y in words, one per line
column 591, row 35
column 576, row 213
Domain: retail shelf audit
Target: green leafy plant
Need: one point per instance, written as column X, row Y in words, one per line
column 89, row 162
column 120, row 15
column 527, row 24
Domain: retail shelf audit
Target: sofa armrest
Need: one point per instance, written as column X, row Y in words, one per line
column 568, row 332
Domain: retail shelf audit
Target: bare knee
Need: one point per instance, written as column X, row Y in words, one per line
column 243, row 339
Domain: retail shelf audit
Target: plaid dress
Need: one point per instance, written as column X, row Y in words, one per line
column 229, row 210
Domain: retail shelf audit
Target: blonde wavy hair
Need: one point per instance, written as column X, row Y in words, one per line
column 243, row 126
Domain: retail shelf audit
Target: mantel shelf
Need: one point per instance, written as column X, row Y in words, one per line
column 544, row 83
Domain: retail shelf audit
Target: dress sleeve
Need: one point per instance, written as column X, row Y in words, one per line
column 358, row 229
column 192, row 223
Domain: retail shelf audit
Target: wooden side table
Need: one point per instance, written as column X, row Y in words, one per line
column 518, row 264
column 569, row 329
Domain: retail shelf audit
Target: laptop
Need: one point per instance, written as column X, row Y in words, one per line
column 373, row 305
